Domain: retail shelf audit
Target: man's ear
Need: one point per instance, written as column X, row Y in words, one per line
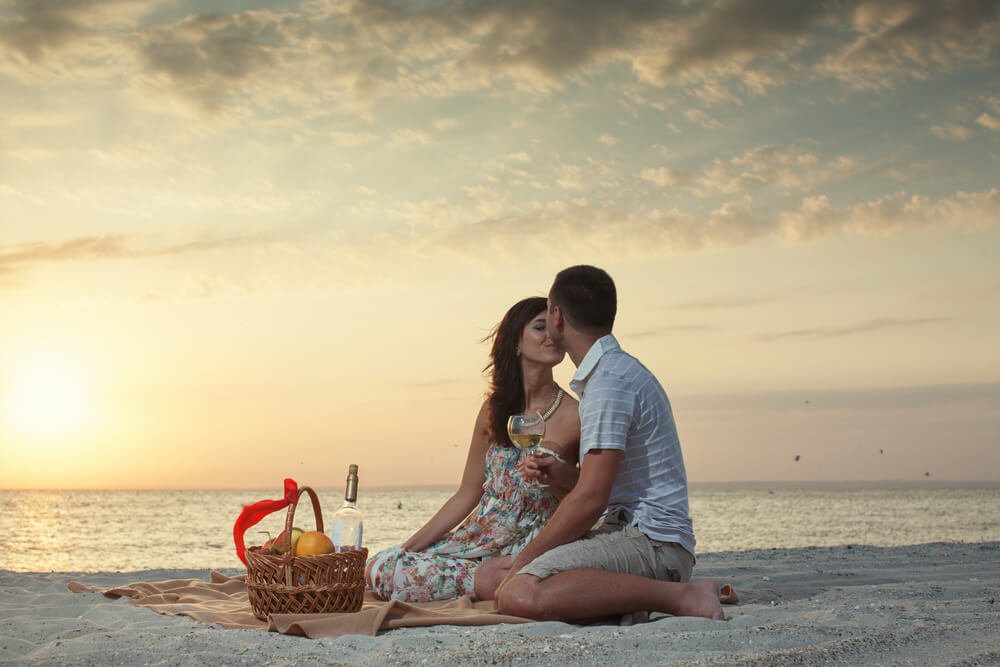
column 558, row 319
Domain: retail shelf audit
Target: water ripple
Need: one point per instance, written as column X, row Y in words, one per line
column 134, row 530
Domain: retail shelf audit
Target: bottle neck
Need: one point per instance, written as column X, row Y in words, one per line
column 351, row 494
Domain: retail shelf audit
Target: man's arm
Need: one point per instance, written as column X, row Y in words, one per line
column 578, row 511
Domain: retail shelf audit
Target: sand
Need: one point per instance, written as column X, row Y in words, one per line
column 930, row 604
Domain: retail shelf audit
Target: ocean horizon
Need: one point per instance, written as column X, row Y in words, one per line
column 848, row 483
column 81, row 530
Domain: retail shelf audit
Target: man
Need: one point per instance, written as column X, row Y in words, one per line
column 631, row 474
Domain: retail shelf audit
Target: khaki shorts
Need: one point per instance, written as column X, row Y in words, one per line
column 615, row 547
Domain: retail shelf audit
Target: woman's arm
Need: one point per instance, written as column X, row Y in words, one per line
column 464, row 500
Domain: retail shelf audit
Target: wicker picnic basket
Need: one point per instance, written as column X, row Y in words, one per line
column 290, row 584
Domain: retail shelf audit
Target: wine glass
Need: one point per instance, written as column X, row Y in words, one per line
column 526, row 431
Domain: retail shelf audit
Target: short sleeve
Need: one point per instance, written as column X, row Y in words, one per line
column 606, row 413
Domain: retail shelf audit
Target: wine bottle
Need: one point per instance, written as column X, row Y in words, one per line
column 348, row 524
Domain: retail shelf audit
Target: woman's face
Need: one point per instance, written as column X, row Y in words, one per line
column 536, row 345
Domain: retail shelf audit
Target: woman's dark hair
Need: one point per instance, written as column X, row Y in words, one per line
column 506, row 392
column 587, row 297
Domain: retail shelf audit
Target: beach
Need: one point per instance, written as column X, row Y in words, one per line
column 935, row 603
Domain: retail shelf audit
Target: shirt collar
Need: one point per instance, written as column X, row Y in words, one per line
column 603, row 344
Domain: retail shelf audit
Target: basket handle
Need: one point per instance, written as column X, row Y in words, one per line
column 290, row 519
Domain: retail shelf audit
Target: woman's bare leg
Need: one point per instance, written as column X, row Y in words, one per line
column 488, row 576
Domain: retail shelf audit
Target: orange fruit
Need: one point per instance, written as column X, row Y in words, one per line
column 313, row 543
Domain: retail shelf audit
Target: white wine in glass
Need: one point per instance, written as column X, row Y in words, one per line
column 526, row 440
column 526, row 431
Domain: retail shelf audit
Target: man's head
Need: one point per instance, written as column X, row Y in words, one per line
column 586, row 297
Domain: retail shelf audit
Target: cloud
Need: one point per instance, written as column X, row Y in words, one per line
column 816, row 217
column 39, row 252
column 699, row 117
column 353, row 139
column 667, row 330
column 988, row 121
column 212, row 58
column 355, row 51
column 867, row 326
column 664, row 177
column 364, row 49
column 570, row 177
column 730, row 35
column 583, row 230
column 409, row 136
column 609, row 140
column 969, row 209
column 18, row 257
column 911, row 37
column 716, row 92
column 760, row 157
column 487, row 223
column 34, row 30
column 951, row 131
column 772, row 165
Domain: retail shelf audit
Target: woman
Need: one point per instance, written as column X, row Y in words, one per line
column 501, row 512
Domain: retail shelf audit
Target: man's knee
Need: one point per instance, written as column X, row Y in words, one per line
column 519, row 597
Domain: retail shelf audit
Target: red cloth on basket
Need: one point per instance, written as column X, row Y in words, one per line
column 255, row 512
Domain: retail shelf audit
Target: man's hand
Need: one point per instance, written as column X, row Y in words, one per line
column 549, row 470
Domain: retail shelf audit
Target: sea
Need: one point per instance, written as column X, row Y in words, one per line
column 124, row 531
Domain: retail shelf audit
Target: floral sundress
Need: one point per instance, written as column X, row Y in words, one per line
column 509, row 515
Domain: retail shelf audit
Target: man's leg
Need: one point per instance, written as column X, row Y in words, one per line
column 584, row 594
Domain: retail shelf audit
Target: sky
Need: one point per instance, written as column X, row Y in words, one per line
column 244, row 241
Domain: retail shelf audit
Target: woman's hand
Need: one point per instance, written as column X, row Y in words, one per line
column 414, row 543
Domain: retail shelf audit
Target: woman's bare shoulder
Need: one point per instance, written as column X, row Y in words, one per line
column 569, row 400
column 569, row 410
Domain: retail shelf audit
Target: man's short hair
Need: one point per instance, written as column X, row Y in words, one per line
column 587, row 297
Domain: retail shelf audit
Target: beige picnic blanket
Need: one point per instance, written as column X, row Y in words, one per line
column 223, row 601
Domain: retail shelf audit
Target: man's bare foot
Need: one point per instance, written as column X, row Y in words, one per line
column 701, row 599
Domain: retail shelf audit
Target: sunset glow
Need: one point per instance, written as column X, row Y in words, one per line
column 274, row 234
column 48, row 398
